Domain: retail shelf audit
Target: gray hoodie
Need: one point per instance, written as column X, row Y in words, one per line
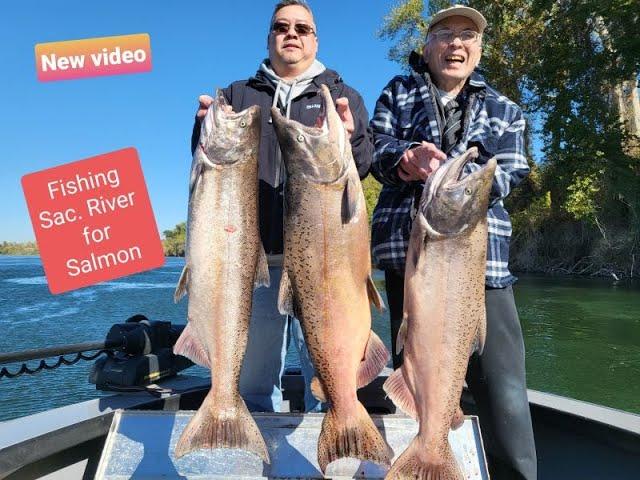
column 286, row 91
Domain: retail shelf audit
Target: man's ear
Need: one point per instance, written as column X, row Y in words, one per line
column 425, row 51
column 479, row 59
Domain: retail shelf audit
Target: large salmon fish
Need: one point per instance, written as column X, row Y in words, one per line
column 444, row 313
column 224, row 260
column 326, row 279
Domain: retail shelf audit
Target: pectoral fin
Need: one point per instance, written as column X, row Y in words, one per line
column 398, row 391
column 481, row 336
column 318, row 390
column 188, row 345
column 374, row 295
column 402, row 334
column 183, row 284
column 285, row 295
column 262, row 270
column 375, row 359
column 350, row 200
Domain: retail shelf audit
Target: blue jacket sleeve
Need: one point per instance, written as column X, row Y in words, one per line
column 388, row 138
column 509, row 151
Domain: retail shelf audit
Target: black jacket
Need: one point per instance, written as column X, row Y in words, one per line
column 305, row 108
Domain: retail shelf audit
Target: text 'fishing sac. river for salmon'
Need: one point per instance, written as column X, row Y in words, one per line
column 93, row 220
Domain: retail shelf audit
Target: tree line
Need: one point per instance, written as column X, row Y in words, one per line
column 18, row 248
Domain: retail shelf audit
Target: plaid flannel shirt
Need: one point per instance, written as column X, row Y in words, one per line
column 406, row 114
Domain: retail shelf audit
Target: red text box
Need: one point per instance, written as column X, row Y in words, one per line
column 93, row 57
column 93, row 220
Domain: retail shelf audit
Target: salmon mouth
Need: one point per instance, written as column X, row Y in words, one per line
column 318, row 153
column 448, row 175
column 452, row 203
column 223, row 131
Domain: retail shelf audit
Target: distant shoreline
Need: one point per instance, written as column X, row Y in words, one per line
column 19, row 248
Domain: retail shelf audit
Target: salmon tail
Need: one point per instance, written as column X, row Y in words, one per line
column 216, row 426
column 417, row 463
column 355, row 438
column 375, row 359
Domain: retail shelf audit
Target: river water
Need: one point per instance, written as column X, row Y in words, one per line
column 582, row 335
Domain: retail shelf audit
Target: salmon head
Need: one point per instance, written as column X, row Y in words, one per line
column 225, row 135
column 318, row 154
column 451, row 205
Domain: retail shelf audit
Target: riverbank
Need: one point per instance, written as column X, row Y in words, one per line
column 18, row 248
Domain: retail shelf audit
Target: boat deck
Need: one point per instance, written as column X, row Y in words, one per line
column 573, row 439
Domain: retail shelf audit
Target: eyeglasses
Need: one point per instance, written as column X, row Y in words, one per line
column 446, row 36
column 301, row 29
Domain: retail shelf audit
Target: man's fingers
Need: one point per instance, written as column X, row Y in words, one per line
column 204, row 102
column 409, row 167
column 342, row 105
column 403, row 175
column 344, row 112
column 433, row 150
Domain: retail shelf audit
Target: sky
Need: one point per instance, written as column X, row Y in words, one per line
column 196, row 46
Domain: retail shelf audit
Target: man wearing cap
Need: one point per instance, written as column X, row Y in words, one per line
column 437, row 112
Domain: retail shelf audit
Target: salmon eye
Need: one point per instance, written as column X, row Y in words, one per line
column 467, row 191
column 300, row 138
column 243, row 123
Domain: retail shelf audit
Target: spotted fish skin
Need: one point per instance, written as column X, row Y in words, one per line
column 224, row 260
column 444, row 314
column 326, row 279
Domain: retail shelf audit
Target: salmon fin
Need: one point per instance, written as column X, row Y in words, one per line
column 458, row 418
column 262, row 270
column 188, row 345
column 402, row 334
column 285, row 295
column 355, row 437
column 398, row 391
column 350, row 201
column 411, row 464
column 196, row 172
column 183, row 285
column 481, row 336
column 215, row 425
column 374, row 295
column 318, row 390
column 375, row 359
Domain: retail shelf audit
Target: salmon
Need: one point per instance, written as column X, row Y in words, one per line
column 444, row 318
column 224, row 261
column 326, row 281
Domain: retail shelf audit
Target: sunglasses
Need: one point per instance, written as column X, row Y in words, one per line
column 301, row 28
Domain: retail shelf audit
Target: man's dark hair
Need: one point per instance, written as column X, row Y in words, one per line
column 288, row 3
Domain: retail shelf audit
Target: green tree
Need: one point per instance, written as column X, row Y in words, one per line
column 18, row 248
column 175, row 240
column 573, row 66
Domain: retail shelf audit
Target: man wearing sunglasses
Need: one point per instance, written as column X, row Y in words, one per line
column 437, row 112
column 289, row 79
